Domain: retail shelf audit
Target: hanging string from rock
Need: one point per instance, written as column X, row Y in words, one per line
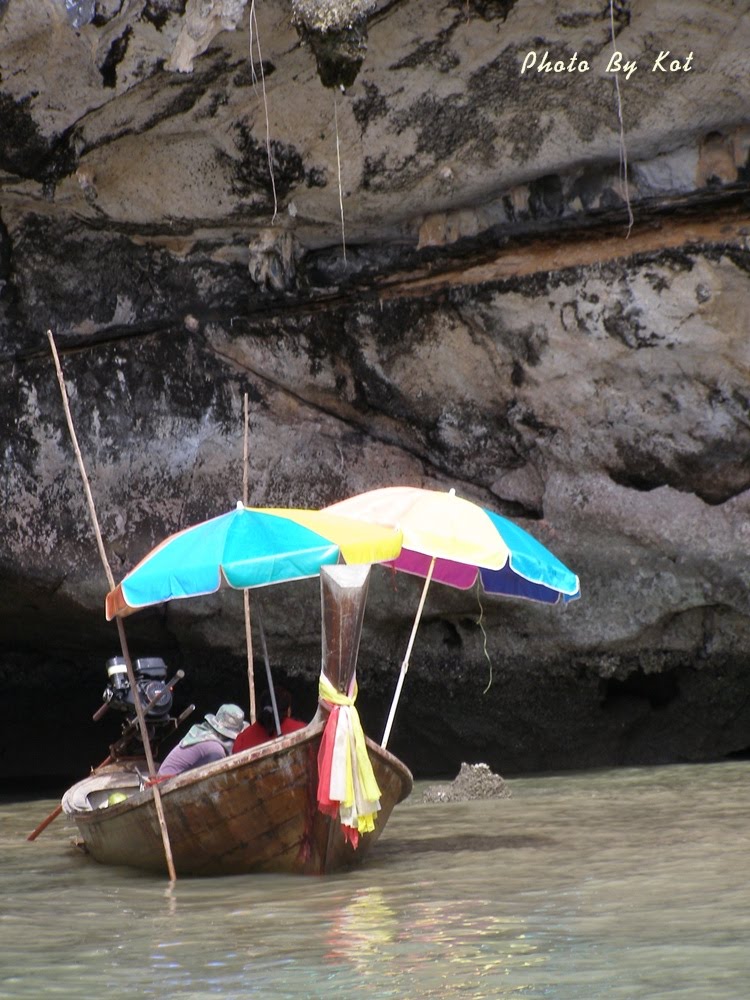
column 623, row 147
column 255, row 37
column 338, row 169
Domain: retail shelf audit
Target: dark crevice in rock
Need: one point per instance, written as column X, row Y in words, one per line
column 22, row 147
column 546, row 197
column 158, row 12
column 451, row 636
column 718, row 473
column 657, row 689
column 114, row 57
column 415, row 265
column 6, row 257
column 249, row 73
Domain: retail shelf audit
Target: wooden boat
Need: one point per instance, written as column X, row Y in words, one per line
column 255, row 811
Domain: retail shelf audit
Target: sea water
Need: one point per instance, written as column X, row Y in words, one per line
column 613, row 884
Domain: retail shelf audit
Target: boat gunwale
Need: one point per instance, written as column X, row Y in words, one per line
column 206, row 772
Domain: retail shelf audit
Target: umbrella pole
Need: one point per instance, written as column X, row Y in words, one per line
column 245, row 593
column 249, row 644
column 268, row 673
column 405, row 664
column 120, row 628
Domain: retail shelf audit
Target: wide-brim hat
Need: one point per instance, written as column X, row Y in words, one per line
column 229, row 721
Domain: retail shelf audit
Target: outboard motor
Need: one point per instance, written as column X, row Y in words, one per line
column 155, row 693
column 151, row 680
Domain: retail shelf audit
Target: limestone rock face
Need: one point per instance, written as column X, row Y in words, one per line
column 432, row 249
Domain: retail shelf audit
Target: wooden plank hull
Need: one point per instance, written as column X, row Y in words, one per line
column 255, row 811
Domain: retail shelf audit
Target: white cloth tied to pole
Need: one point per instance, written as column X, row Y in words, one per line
column 346, row 782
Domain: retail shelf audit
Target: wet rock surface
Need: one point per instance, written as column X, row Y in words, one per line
column 473, row 781
column 484, row 318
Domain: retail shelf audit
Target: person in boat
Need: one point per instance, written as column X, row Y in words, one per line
column 205, row 742
column 265, row 728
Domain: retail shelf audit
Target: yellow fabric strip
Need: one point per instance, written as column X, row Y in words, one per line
column 353, row 782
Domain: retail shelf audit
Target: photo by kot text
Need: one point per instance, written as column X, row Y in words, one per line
column 665, row 62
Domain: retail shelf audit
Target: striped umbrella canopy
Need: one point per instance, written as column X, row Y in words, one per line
column 463, row 541
column 455, row 541
column 249, row 547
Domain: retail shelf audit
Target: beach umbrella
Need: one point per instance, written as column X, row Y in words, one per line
column 249, row 547
column 457, row 542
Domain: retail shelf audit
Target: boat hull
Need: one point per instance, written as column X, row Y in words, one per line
column 255, row 811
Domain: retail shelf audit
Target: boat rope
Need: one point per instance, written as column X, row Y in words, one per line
column 347, row 786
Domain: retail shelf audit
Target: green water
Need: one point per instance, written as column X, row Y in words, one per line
column 618, row 884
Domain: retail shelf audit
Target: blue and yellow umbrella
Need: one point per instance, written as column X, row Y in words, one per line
column 249, row 547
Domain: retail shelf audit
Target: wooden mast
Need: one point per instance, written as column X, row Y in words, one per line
column 343, row 595
column 245, row 592
column 142, row 725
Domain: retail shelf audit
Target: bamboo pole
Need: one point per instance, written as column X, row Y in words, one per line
column 245, row 592
column 120, row 628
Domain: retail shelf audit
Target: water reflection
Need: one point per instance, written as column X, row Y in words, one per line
column 362, row 930
column 471, row 945
column 620, row 885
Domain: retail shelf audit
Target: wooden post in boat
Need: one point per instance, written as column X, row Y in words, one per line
column 120, row 628
column 343, row 595
column 245, row 593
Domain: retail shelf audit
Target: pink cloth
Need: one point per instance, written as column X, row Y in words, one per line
column 327, row 805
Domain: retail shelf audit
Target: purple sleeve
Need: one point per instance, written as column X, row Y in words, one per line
column 185, row 758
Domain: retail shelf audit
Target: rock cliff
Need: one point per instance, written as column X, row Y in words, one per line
column 499, row 245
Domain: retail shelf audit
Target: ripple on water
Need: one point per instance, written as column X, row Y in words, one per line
column 616, row 884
